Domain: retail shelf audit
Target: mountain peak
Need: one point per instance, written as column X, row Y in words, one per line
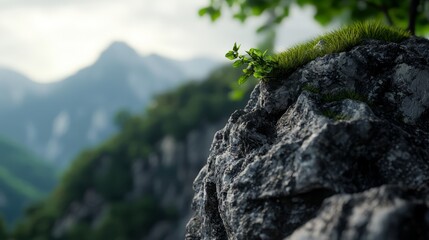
column 120, row 51
column 121, row 46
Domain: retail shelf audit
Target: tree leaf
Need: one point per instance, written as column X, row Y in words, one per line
column 203, row 11
column 230, row 2
column 240, row 16
column 257, row 10
column 215, row 14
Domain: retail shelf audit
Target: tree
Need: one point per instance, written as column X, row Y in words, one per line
column 121, row 118
column 410, row 14
column 3, row 229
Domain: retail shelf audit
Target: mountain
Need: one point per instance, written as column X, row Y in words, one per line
column 24, row 178
column 17, row 89
column 137, row 184
column 62, row 118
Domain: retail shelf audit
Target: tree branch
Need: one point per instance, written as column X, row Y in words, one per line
column 385, row 10
column 412, row 15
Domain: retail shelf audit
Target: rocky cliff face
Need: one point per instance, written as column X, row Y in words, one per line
column 337, row 150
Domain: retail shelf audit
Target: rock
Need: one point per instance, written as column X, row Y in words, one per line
column 336, row 150
column 386, row 212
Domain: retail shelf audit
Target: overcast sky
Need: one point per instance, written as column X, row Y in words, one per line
column 48, row 40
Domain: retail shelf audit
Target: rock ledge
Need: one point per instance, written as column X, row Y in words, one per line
column 337, row 150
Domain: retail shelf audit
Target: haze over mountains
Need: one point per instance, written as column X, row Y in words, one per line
column 58, row 120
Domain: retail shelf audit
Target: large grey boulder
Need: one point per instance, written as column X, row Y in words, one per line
column 339, row 149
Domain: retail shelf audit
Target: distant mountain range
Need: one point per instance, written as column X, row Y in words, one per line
column 59, row 119
column 138, row 183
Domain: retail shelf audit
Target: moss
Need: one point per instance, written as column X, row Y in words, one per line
column 334, row 42
column 335, row 116
column 311, row 88
column 333, row 97
column 342, row 95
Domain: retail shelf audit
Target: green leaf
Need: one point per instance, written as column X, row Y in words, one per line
column 215, row 14
column 257, row 10
column 265, row 52
column 259, row 68
column 240, row 16
column 203, row 11
column 236, row 94
column 236, row 48
column 269, row 59
column 263, row 28
column 268, row 69
column 231, row 55
column 254, row 53
column 230, row 2
column 257, row 62
column 243, row 79
column 258, row 75
column 249, row 70
column 238, row 63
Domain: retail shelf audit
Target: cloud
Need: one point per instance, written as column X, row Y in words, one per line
column 46, row 3
column 48, row 40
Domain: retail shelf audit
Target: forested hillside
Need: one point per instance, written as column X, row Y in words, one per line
column 24, row 178
column 138, row 183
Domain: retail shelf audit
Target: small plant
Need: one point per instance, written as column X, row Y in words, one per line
column 260, row 65
column 256, row 62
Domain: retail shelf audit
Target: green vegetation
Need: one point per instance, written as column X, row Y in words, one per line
column 343, row 39
column 257, row 63
column 333, row 97
column 311, row 88
column 342, row 95
column 24, row 178
column 136, row 225
column 19, row 185
column 335, row 116
column 3, row 229
column 336, row 41
column 409, row 14
column 107, row 169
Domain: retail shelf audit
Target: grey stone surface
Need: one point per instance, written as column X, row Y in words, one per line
column 385, row 212
column 339, row 149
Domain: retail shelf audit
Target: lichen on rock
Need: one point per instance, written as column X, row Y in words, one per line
column 282, row 169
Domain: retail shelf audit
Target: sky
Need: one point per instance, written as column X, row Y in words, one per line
column 48, row 40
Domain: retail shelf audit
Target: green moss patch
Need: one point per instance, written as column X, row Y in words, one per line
column 338, row 96
column 342, row 95
column 334, row 42
column 335, row 116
